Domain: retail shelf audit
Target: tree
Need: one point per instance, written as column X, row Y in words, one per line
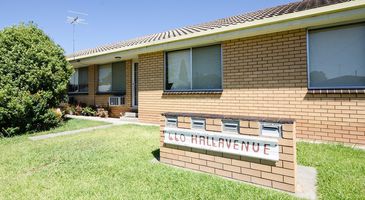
column 34, row 74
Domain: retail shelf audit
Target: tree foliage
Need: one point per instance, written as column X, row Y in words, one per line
column 34, row 74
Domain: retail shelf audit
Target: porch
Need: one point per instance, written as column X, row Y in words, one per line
column 111, row 85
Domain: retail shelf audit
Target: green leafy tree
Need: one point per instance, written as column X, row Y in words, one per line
column 34, row 74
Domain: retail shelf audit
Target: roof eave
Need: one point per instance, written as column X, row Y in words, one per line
column 292, row 17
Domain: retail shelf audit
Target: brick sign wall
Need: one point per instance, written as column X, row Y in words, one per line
column 279, row 174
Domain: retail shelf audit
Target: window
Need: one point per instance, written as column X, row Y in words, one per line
column 105, row 78
column 337, row 57
column 194, row 69
column 112, row 78
column 79, row 81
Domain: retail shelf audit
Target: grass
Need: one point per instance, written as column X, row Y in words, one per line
column 341, row 170
column 73, row 124
column 114, row 163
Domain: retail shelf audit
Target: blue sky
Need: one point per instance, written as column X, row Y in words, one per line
column 113, row 20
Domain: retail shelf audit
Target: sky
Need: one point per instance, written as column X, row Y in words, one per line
column 110, row 21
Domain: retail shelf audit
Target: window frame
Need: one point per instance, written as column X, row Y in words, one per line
column 111, row 92
column 191, row 71
column 78, row 84
column 308, row 59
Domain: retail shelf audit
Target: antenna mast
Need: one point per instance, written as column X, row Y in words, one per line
column 75, row 20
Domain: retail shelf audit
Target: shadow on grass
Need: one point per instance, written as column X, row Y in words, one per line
column 65, row 119
column 156, row 154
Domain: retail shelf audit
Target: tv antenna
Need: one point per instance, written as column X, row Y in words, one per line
column 75, row 20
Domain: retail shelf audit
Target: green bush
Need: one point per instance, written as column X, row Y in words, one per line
column 88, row 111
column 34, row 74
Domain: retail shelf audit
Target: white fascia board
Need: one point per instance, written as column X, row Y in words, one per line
column 343, row 12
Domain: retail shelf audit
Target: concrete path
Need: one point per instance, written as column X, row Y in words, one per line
column 354, row 146
column 52, row 135
column 112, row 121
column 306, row 182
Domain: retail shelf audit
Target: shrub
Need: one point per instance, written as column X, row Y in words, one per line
column 101, row 112
column 58, row 113
column 88, row 111
column 65, row 108
column 72, row 110
column 78, row 110
column 34, row 76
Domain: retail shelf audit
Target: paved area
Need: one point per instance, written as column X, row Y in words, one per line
column 113, row 121
column 52, row 135
column 354, row 146
column 306, row 182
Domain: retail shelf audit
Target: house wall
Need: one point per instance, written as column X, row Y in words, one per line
column 263, row 76
column 92, row 98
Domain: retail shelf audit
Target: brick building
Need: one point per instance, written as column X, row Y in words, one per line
column 303, row 60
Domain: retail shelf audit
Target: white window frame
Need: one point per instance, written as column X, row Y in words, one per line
column 308, row 57
column 119, row 99
column 191, row 71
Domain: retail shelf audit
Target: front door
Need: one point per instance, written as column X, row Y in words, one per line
column 135, row 85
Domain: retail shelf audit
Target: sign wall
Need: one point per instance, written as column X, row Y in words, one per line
column 251, row 146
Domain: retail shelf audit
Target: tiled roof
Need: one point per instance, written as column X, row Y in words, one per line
column 225, row 22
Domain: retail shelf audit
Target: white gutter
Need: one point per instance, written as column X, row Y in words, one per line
column 342, row 12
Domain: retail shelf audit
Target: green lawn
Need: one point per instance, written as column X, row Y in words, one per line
column 341, row 170
column 114, row 163
column 73, row 124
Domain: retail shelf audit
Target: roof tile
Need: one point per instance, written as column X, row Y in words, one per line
column 229, row 21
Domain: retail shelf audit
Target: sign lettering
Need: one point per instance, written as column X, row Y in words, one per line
column 251, row 146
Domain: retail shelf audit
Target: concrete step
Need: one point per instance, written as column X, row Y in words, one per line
column 129, row 119
column 130, row 114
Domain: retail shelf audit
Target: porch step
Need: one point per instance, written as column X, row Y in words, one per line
column 130, row 115
column 134, row 109
column 129, row 119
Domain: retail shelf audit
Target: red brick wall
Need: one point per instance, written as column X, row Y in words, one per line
column 263, row 76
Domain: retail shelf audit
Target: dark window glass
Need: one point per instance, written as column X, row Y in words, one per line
column 83, row 79
column 207, row 72
column 194, row 69
column 112, row 77
column 79, row 80
column 337, row 57
column 118, row 77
